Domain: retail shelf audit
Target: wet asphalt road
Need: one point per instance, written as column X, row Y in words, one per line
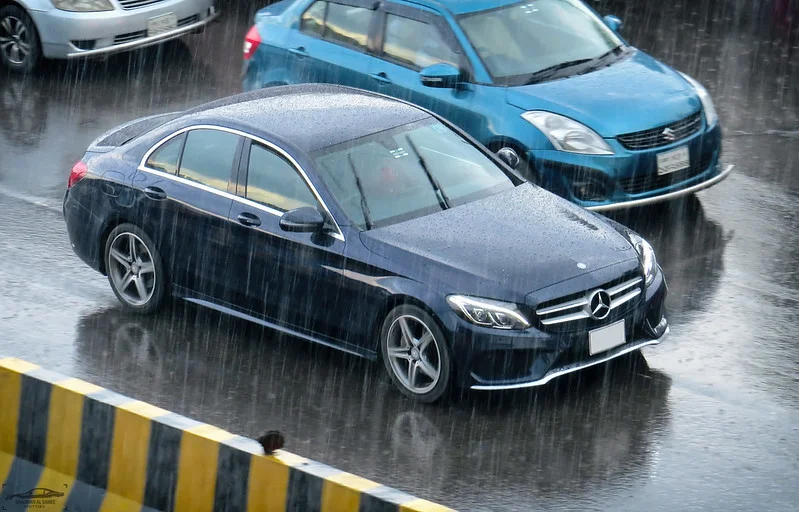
column 708, row 420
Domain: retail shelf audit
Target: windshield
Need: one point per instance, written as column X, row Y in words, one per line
column 407, row 172
column 516, row 41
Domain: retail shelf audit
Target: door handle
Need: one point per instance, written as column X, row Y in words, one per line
column 248, row 219
column 381, row 77
column 155, row 193
column 299, row 52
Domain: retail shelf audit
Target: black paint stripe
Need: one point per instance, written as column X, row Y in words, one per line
column 381, row 499
column 22, row 478
column 232, row 474
column 163, row 455
column 97, row 432
column 305, row 491
column 34, row 410
column 84, row 498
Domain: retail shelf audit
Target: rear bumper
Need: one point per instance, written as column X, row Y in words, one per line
column 68, row 35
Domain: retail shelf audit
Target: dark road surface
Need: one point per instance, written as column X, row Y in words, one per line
column 709, row 420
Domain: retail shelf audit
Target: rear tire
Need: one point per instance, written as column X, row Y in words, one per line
column 20, row 49
column 416, row 354
column 135, row 269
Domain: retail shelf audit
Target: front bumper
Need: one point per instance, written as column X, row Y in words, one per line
column 69, row 35
column 629, row 178
column 492, row 359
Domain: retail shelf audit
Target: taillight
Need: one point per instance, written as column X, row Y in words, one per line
column 77, row 173
column 251, row 42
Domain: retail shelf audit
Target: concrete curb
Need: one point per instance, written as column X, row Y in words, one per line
column 108, row 452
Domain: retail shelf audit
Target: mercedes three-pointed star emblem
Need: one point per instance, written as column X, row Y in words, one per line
column 599, row 305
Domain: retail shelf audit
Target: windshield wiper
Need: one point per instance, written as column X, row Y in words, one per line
column 367, row 216
column 545, row 73
column 443, row 200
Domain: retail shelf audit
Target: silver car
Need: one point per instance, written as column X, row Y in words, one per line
column 64, row 29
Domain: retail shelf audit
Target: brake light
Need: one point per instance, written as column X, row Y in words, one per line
column 77, row 173
column 251, row 42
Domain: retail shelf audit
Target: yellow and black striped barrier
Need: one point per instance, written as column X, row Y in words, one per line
column 68, row 445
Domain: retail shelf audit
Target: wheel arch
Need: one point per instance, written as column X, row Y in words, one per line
column 400, row 299
column 111, row 225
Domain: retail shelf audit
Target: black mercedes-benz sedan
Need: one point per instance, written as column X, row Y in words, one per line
column 366, row 224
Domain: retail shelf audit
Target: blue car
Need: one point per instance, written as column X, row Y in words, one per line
column 595, row 120
column 367, row 224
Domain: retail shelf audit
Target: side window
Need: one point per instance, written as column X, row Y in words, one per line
column 416, row 44
column 273, row 181
column 167, row 157
column 208, row 157
column 348, row 25
column 313, row 19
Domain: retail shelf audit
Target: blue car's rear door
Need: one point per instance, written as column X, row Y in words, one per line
column 331, row 43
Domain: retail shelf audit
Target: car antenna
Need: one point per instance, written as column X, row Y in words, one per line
column 367, row 217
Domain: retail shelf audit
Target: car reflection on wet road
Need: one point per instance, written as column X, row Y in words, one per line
column 707, row 420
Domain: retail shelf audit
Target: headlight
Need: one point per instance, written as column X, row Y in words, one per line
column 488, row 313
column 83, row 5
column 646, row 254
column 568, row 135
column 707, row 102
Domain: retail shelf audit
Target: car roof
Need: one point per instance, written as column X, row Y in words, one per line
column 464, row 6
column 310, row 116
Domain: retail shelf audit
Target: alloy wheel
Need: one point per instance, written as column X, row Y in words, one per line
column 413, row 354
column 15, row 42
column 131, row 268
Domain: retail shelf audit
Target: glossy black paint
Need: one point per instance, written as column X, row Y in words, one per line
column 334, row 287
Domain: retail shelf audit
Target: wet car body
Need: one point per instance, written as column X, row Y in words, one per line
column 69, row 30
column 639, row 107
column 544, row 255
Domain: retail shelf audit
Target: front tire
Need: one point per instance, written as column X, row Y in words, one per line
column 20, row 50
column 415, row 354
column 135, row 269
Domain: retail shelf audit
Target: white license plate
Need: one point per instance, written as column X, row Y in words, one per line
column 673, row 161
column 605, row 338
column 161, row 24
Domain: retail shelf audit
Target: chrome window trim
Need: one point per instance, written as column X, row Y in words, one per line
column 339, row 234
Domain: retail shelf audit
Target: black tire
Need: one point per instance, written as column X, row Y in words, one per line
column 437, row 352
column 19, row 29
column 154, row 281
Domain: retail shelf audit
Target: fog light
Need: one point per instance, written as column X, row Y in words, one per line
column 589, row 190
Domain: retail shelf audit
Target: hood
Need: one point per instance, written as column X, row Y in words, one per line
column 511, row 243
column 633, row 94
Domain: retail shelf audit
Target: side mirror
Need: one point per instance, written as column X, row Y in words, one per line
column 614, row 22
column 509, row 156
column 443, row 76
column 302, row 220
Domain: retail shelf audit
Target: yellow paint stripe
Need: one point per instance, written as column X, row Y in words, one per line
column 114, row 503
column 290, row 459
column 424, row 506
column 129, row 449
column 342, row 492
column 269, row 483
column 10, row 389
column 56, row 481
column 79, row 386
column 6, row 459
column 17, row 365
column 64, row 428
column 199, row 457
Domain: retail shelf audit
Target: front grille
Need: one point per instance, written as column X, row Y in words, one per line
column 189, row 20
column 653, row 181
column 130, row 36
column 655, row 137
column 575, row 307
column 135, row 4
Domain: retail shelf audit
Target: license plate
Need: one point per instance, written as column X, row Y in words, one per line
column 673, row 161
column 161, row 24
column 605, row 338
